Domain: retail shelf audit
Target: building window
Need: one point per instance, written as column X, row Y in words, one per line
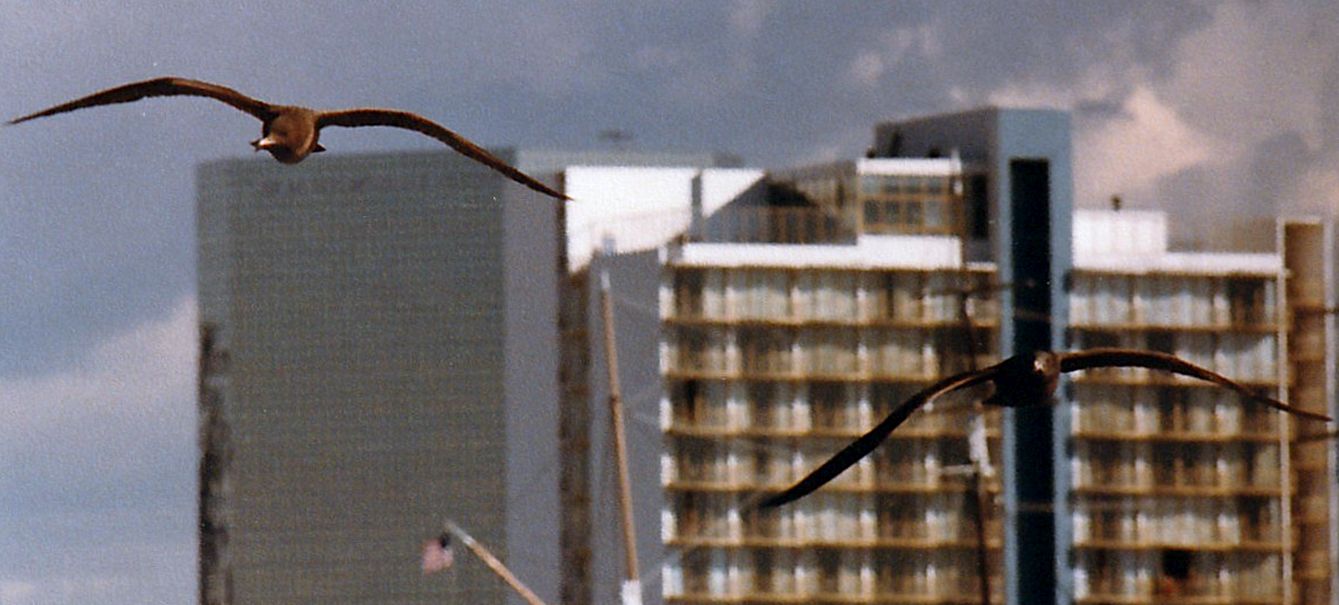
column 893, row 212
column 1247, row 300
column 872, row 213
column 872, row 184
column 912, row 213
column 934, row 215
column 977, row 207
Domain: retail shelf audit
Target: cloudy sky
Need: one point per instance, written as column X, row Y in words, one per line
column 1208, row 110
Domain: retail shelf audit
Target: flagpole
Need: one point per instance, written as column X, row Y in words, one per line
column 632, row 585
column 493, row 563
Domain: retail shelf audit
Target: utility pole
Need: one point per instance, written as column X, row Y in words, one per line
column 493, row 563
column 632, row 585
column 978, row 449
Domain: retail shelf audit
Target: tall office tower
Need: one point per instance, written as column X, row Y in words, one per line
column 379, row 351
column 383, row 355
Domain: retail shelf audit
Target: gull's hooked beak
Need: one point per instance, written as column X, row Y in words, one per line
column 263, row 144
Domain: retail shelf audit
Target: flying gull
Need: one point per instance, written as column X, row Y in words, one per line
column 291, row 133
column 1020, row 381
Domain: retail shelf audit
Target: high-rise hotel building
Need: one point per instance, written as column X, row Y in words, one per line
column 777, row 354
column 1137, row 487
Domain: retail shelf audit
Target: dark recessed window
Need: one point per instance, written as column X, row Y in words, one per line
column 978, row 209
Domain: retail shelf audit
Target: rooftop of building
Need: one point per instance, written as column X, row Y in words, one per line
column 1137, row 241
column 1115, row 241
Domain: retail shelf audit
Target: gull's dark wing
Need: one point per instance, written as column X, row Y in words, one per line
column 161, row 87
column 1317, row 437
column 866, row 443
column 402, row 119
column 1153, row 360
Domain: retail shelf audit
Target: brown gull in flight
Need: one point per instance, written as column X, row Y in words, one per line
column 1020, row 381
column 291, row 133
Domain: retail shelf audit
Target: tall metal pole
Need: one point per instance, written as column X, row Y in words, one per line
column 493, row 563
column 978, row 451
column 632, row 586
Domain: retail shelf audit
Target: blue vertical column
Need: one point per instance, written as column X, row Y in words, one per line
column 1025, row 154
column 1033, row 207
column 1032, row 484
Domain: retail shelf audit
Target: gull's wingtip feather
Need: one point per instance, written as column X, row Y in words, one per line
column 778, row 499
column 1312, row 415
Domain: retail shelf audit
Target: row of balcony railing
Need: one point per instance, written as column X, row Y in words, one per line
column 1249, row 357
column 1172, row 413
column 741, row 465
column 1172, row 300
column 867, row 520
column 842, row 296
column 893, row 353
column 1139, row 578
column 838, row 577
column 1135, row 466
column 1197, row 523
column 720, row 408
column 861, row 296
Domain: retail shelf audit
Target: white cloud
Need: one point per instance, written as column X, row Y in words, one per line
column 1097, row 82
column 1020, row 94
column 1316, row 190
column 1255, row 70
column 138, row 375
column 747, row 16
column 13, row 592
column 102, row 569
column 868, row 67
column 1127, row 154
column 100, row 488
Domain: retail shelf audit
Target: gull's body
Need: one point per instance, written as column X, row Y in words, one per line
column 1020, row 381
column 291, row 133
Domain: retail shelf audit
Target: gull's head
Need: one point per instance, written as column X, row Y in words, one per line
column 289, row 137
column 1027, row 379
column 1046, row 365
column 265, row 143
column 278, row 148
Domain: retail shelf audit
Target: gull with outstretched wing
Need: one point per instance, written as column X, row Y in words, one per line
column 291, row 133
column 1020, row 381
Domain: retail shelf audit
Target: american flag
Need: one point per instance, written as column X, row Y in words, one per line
column 437, row 554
